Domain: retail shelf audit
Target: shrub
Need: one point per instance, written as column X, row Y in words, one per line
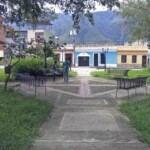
column 27, row 64
column 50, row 62
column 30, row 64
column 72, row 74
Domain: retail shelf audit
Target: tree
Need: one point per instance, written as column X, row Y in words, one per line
column 43, row 50
column 9, row 50
column 48, row 52
column 45, row 19
column 21, row 11
column 137, row 14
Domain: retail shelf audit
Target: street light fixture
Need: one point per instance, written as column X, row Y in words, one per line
column 105, row 50
column 63, row 49
column 73, row 33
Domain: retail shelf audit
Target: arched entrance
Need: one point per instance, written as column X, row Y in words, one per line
column 83, row 59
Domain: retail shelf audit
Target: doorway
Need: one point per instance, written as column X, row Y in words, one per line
column 144, row 61
column 83, row 61
column 102, row 58
column 69, row 57
column 95, row 60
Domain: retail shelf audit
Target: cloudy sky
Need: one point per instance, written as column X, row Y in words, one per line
column 98, row 8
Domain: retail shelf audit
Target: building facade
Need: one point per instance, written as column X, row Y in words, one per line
column 132, row 56
column 65, row 52
column 3, row 32
column 38, row 36
column 95, row 56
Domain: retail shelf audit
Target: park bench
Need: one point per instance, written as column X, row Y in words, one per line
column 30, row 80
column 134, row 83
column 49, row 72
column 117, row 72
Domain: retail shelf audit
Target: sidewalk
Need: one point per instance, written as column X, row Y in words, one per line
column 85, row 71
column 85, row 117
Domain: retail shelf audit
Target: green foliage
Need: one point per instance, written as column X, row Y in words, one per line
column 34, row 51
column 100, row 74
column 131, row 74
column 50, row 62
column 59, row 64
column 45, row 19
column 139, row 115
column 135, row 73
column 72, row 74
column 2, row 74
column 136, row 12
column 33, row 10
column 27, row 64
column 21, row 118
column 48, row 50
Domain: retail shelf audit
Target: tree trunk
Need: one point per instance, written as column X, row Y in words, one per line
column 6, row 82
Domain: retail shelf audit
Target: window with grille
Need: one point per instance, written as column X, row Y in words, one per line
column 123, row 58
column 134, row 58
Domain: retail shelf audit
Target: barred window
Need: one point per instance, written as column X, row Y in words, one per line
column 134, row 58
column 123, row 58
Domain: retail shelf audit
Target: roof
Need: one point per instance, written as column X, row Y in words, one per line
column 132, row 48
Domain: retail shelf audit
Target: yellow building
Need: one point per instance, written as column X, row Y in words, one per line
column 132, row 56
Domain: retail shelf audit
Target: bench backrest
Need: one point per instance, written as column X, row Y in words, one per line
column 125, row 83
column 117, row 71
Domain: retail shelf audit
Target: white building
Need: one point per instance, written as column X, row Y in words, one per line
column 38, row 36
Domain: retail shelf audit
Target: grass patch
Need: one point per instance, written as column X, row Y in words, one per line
column 72, row 74
column 21, row 117
column 131, row 74
column 139, row 114
column 100, row 74
column 135, row 73
column 2, row 75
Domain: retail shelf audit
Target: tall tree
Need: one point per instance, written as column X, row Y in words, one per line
column 137, row 14
column 20, row 11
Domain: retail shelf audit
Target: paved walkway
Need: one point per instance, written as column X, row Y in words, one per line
column 85, row 117
column 85, row 71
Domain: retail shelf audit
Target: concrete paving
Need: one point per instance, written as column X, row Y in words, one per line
column 85, row 117
column 85, row 71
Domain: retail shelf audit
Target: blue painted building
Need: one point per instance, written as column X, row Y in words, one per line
column 95, row 56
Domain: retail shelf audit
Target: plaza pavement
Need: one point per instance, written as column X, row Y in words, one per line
column 85, row 117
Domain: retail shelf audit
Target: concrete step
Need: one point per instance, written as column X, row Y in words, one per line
column 47, row 145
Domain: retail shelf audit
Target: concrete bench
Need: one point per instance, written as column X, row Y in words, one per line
column 127, row 84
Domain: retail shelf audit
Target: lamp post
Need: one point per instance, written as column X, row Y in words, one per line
column 105, row 50
column 63, row 49
column 73, row 33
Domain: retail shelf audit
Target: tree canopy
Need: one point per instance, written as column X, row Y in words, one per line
column 20, row 11
column 137, row 14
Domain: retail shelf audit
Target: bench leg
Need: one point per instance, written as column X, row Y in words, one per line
column 35, row 89
column 116, row 92
column 146, row 90
column 45, row 89
column 128, row 94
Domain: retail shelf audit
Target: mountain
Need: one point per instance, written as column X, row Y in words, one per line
column 106, row 29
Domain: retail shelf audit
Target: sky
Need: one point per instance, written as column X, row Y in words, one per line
column 98, row 8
